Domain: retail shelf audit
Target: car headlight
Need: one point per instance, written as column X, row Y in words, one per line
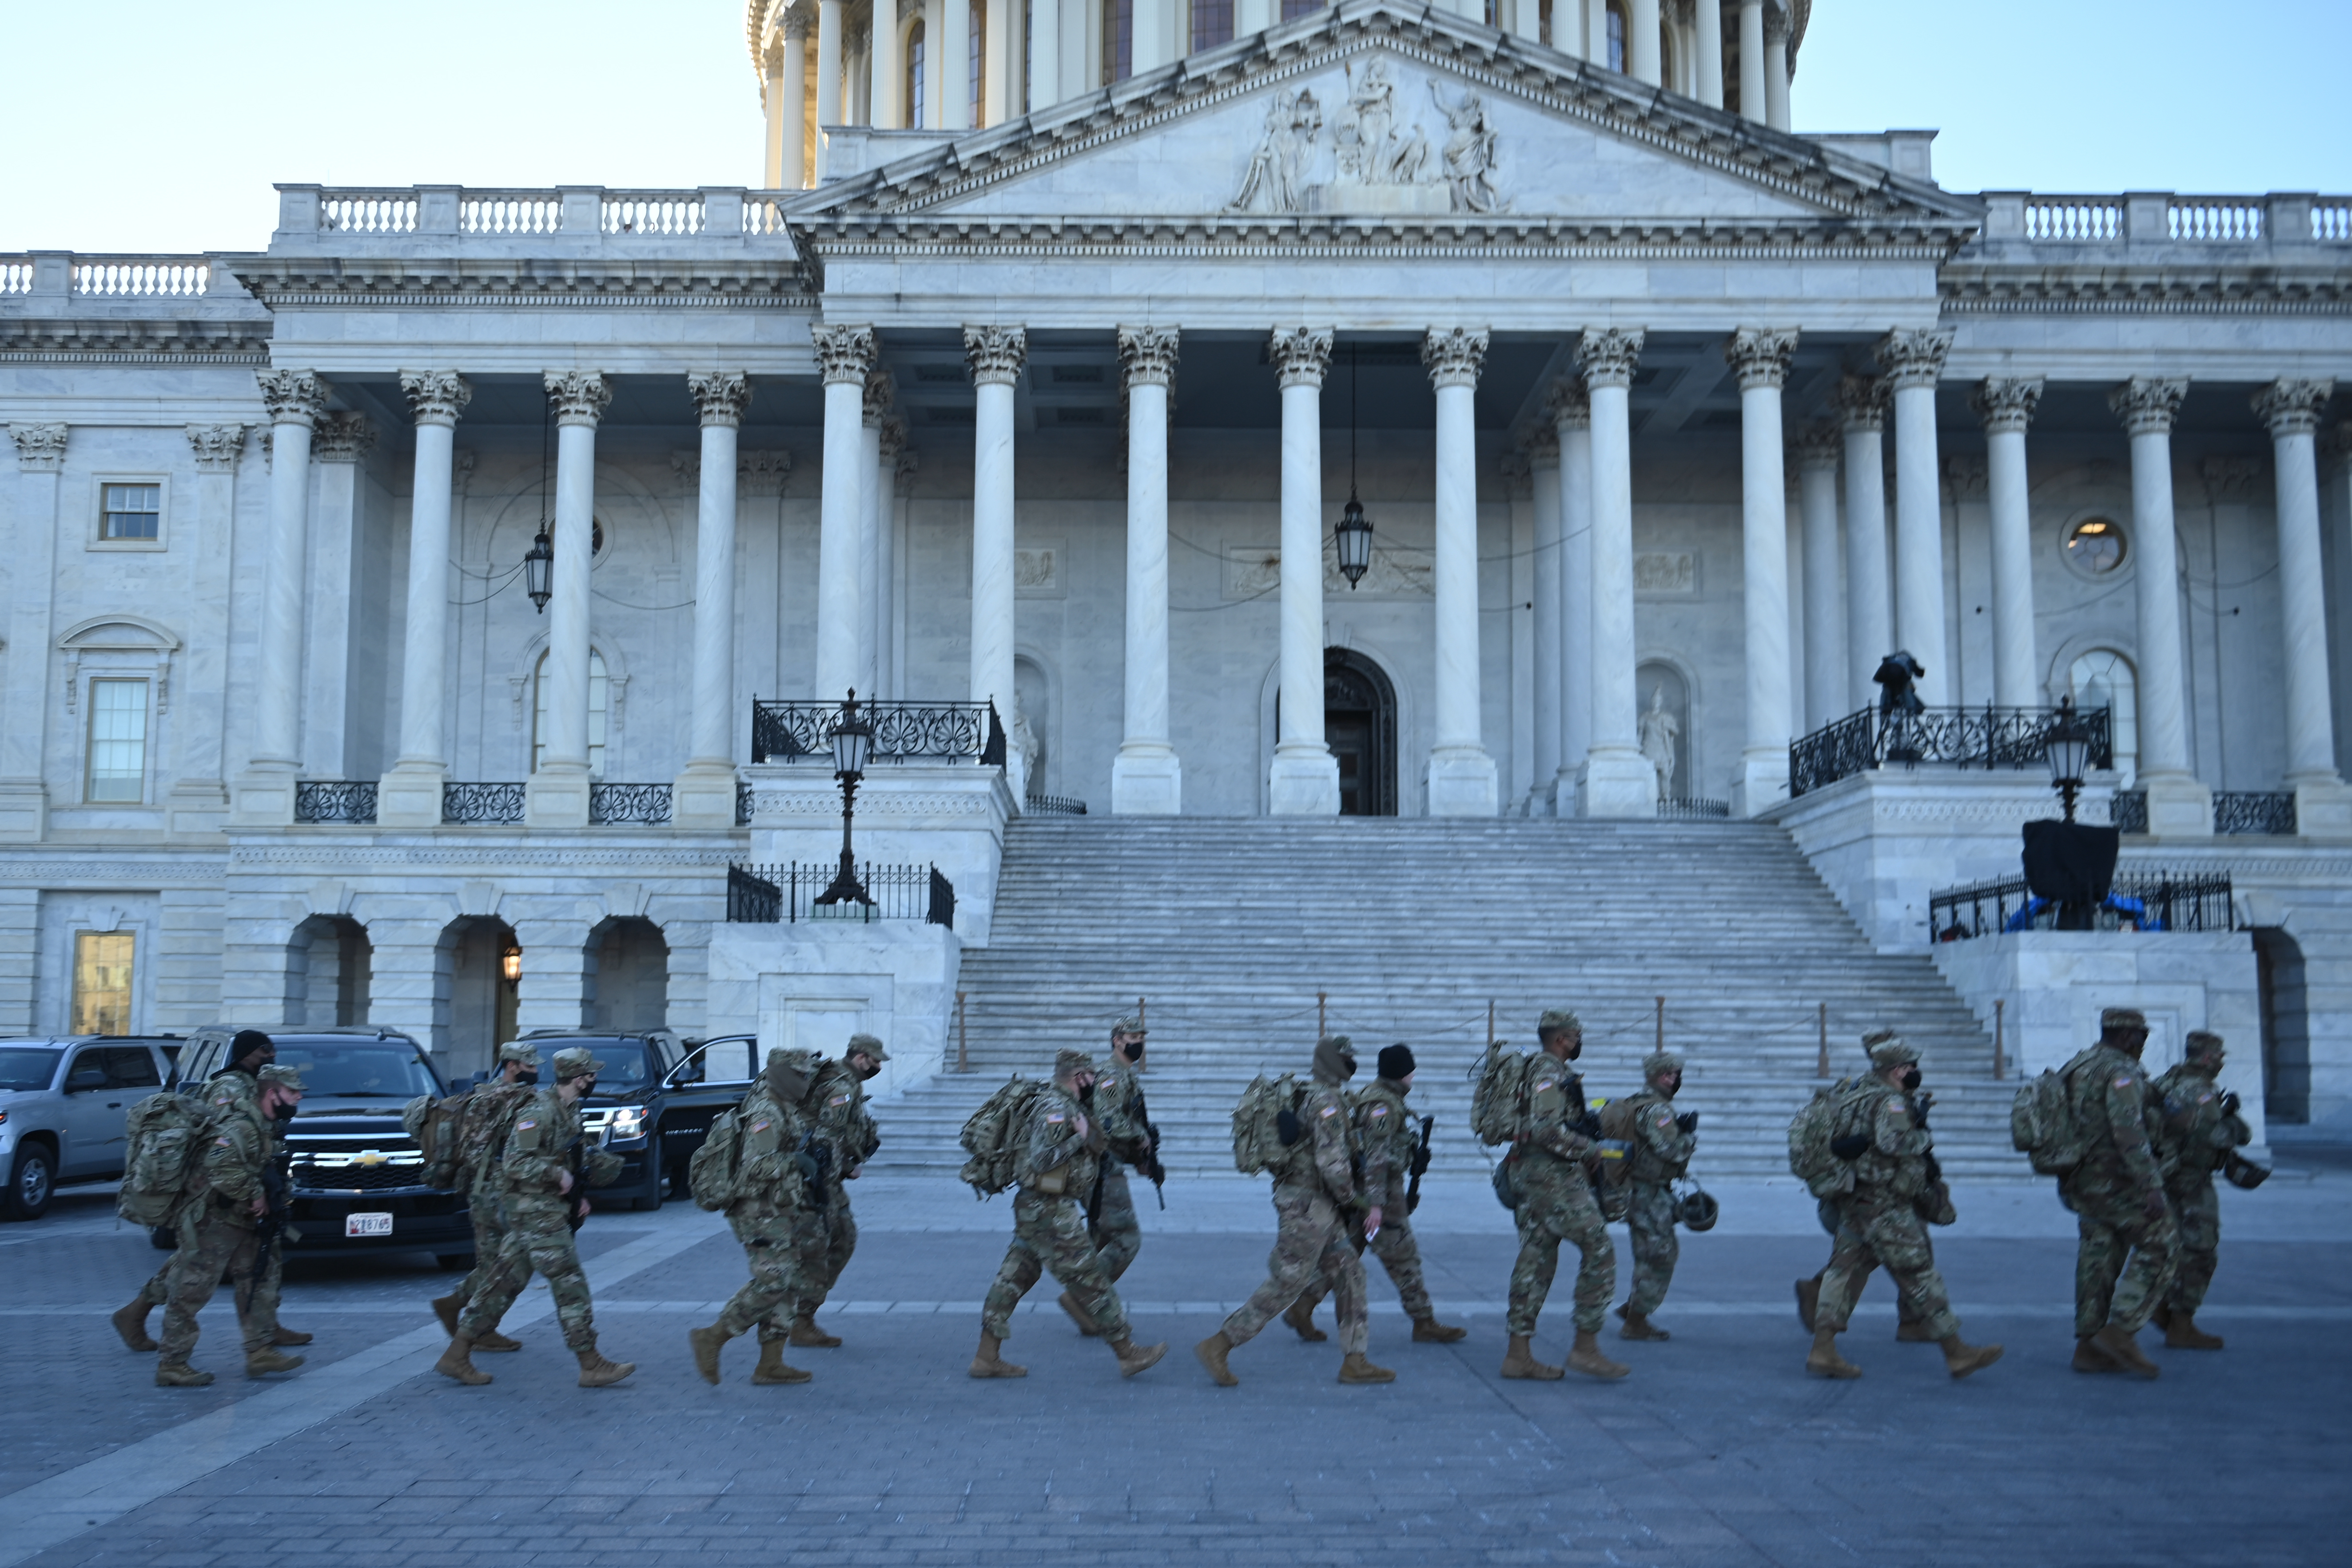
column 628, row 1122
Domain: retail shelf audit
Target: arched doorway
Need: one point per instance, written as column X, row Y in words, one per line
column 627, row 989
column 1359, row 725
column 481, row 965
column 326, row 977
column 2286, row 1026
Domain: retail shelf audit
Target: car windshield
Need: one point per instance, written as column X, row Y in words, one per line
column 333, row 1069
column 627, row 1068
column 26, row 1067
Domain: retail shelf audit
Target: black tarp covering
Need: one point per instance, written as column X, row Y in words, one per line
column 2069, row 862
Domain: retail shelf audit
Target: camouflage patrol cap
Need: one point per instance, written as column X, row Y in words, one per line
column 1889, row 1050
column 1131, row 1025
column 2202, row 1043
column 870, row 1045
column 1658, row 1062
column 285, row 1078
column 1872, row 1037
column 1556, row 1019
column 575, row 1063
column 1068, row 1063
column 516, row 1051
column 2123, row 1018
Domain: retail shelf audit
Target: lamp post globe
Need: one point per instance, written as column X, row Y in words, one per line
column 2067, row 751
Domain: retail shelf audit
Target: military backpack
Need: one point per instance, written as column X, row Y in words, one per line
column 1267, row 1131
column 162, row 1137
column 711, row 1176
column 1812, row 1132
column 2042, row 1125
column 1499, row 1106
column 434, row 1124
column 994, row 1135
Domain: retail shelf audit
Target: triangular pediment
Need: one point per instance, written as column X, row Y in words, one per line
column 1376, row 114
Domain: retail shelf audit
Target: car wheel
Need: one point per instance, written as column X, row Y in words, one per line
column 31, row 1178
column 452, row 1262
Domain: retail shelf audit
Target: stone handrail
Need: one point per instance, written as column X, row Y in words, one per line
column 572, row 211
column 56, row 273
column 2165, row 216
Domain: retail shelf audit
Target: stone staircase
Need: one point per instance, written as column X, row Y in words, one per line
column 1229, row 927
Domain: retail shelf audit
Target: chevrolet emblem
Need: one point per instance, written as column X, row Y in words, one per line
column 371, row 1157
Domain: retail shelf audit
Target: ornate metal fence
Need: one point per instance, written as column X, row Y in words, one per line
column 2252, row 810
column 903, row 731
column 468, row 802
column 637, row 802
column 1687, row 809
column 1962, row 737
column 1053, row 805
column 335, row 800
column 2127, row 811
column 2157, row 900
column 767, row 894
column 752, row 899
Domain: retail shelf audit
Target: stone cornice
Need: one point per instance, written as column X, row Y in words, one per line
column 280, row 281
column 128, row 340
column 1976, row 287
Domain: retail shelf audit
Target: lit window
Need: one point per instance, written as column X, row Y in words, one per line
column 2095, row 546
column 2102, row 678
column 118, row 742
column 101, row 982
column 130, row 511
column 915, row 78
column 1213, row 24
column 599, row 694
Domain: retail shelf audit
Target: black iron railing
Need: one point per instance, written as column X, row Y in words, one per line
column 498, row 802
column 2157, row 900
column 334, row 800
column 742, row 804
column 2127, row 811
column 1962, row 737
column 903, row 731
column 768, row 894
column 637, row 802
column 1053, row 805
column 2254, row 811
column 1686, row 809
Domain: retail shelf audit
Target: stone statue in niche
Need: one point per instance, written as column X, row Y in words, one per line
column 1660, row 729
column 1470, row 155
column 1275, row 180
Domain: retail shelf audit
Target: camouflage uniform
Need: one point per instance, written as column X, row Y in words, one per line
column 1385, row 1129
column 836, row 1101
column 2112, row 1193
column 221, row 1091
column 484, row 1119
column 1118, row 1102
column 1315, row 1201
column 539, row 1238
column 2199, row 1126
column 770, row 1216
column 1661, row 1152
column 1058, row 1167
column 219, row 1234
column 1878, row 1223
column 1556, row 1204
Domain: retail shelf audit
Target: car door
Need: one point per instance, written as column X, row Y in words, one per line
column 91, row 1104
column 714, row 1077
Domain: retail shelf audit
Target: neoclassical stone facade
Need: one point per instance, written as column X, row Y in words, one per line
column 1668, row 422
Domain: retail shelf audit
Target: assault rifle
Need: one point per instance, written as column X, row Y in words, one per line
column 1152, row 1167
column 1420, row 1166
column 271, row 1229
column 575, row 1162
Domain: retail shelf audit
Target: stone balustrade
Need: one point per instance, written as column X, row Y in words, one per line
column 2136, row 217
column 60, row 274
column 308, row 213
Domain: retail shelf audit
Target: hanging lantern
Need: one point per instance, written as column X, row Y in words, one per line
column 510, row 964
column 1355, row 541
column 538, row 568
column 853, row 741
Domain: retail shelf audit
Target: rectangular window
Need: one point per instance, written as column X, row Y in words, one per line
column 117, row 742
column 101, row 982
column 130, row 511
column 1118, row 40
column 1213, row 24
column 1294, row 9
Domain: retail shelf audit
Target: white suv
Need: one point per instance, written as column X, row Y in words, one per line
column 63, row 1104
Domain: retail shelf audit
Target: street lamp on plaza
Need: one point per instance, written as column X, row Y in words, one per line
column 852, row 744
column 2067, row 749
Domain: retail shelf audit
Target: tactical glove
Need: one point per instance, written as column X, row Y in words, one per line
column 1851, row 1146
column 1687, row 1121
column 2230, row 1103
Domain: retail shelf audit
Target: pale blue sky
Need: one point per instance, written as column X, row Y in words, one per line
column 142, row 126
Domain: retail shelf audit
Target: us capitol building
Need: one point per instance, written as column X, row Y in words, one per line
column 412, row 622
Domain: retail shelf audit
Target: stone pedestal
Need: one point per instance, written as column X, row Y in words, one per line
column 1618, row 782
column 263, row 796
column 1148, row 780
column 810, row 985
column 2323, row 806
column 556, row 796
column 1462, row 782
column 946, row 815
column 704, row 797
column 409, row 795
column 193, row 806
column 2178, row 806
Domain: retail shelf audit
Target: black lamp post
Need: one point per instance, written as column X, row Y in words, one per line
column 537, row 566
column 2067, row 749
column 853, row 744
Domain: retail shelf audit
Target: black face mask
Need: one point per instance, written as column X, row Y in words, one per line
column 1087, row 1094
column 530, row 1077
column 1910, row 1078
column 283, row 1113
column 1132, row 1050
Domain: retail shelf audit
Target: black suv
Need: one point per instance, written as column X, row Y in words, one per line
column 656, row 1098
column 355, row 1184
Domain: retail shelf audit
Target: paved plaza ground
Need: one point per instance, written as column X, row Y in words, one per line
column 1717, row 1450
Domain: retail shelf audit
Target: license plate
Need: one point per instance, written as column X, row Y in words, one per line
column 367, row 1224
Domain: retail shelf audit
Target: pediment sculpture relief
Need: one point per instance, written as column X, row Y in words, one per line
column 1382, row 157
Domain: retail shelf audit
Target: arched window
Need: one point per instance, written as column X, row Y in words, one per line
column 915, row 77
column 978, row 82
column 1213, row 24
column 1118, row 40
column 1616, row 36
column 600, row 697
column 2104, row 678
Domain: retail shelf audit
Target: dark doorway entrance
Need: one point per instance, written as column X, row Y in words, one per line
column 1359, row 726
column 2286, row 1026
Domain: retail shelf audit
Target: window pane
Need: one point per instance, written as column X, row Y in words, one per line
column 915, row 78
column 978, row 36
column 118, row 741
column 1294, row 9
column 1118, row 40
column 1213, row 24
column 1616, row 39
column 132, row 511
column 101, row 982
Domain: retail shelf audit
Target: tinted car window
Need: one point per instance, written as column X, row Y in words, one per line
column 728, row 1061
column 340, row 1069
column 627, row 1066
column 130, row 1067
column 27, row 1068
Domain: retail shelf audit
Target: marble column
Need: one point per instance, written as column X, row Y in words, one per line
column 704, row 794
column 2177, row 803
column 2006, row 406
column 1777, row 29
column 410, row 794
column 778, row 105
column 1462, row 777
column 1641, row 61
column 1913, row 361
column 264, row 795
column 2291, row 411
column 1571, row 412
column 339, row 446
column 828, row 75
column 873, row 517
column 997, row 74
column 198, row 801
column 845, row 355
column 1753, row 94
column 995, row 355
column 1817, row 508
column 886, row 53
column 1304, row 778
column 1543, row 471
column 955, row 78
column 1861, row 402
column 1618, row 780
column 1708, row 25
column 1146, row 778
column 893, row 455
column 794, row 146
column 557, row 793
column 1760, row 360
column 33, row 552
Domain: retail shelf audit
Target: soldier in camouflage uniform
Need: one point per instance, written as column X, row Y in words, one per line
column 1910, row 1326
column 1061, row 1146
column 220, row 1232
column 1119, row 1103
column 1315, row 1206
column 770, row 1216
column 1883, row 1222
column 1556, row 1204
column 846, row 1138
column 484, row 1121
column 2118, row 1199
column 542, row 1195
column 1384, row 1131
column 1662, row 1143
column 2200, row 1127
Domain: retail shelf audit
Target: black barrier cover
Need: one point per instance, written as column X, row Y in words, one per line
column 2070, row 862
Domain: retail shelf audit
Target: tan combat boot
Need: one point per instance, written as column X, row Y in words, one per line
column 1809, row 1300
column 1430, row 1332
column 1824, row 1360
column 706, row 1344
column 2181, row 1333
column 447, row 1309
column 1300, row 1315
column 595, row 1371
column 2089, row 1357
column 986, row 1363
column 180, row 1374
column 808, row 1336
column 1915, row 1331
column 772, row 1368
column 289, row 1337
column 1519, row 1360
column 1134, row 1358
column 1585, row 1356
column 1078, row 1316
column 265, row 1361
column 1212, row 1353
column 1638, row 1325
column 1358, row 1368
column 130, row 1322
column 1961, row 1357
column 458, row 1362
column 2122, row 1349
column 491, row 1340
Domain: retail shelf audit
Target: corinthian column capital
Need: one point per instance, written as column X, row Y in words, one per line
column 1146, row 355
column 342, row 438
column 720, row 396
column 844, row 354
column 1821, row 445
column 217, row 447
column 1565, row 402
column 2292, row 408
column 578, row 397
column 435, row 396
column 1914, row 357
column 292, row 396
column 1454, row 355
column 2006, row 405
column 1607, row 357
column 995, row 353
column 1760, row 356
column 1301, row 355
column 2147, row 403
column 40, row 448
column 881, row 396
column 1861, row 402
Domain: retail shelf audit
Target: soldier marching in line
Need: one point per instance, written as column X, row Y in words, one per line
column 1316, row 1201
column 1897, row 1188
column 2117, row 1197
column 544, row 1170
column 1393, row 1156
column 231, row 1224
column 1556, row 1204
column 1111, row 1222
column 1062, row 1147
column 483, row 1123
column 845, row 1139
column 1910, row 1326
column 772, row 1216
column 1661, row 1143
column 2200, row 1127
